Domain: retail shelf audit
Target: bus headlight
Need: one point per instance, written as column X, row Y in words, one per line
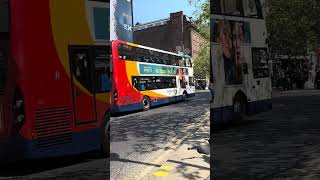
column 115, row 96
column 18, row 108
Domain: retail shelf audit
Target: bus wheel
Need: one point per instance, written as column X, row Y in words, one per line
column 184, row 96
column 239, row 108
column 105, row 144
column 146, row 103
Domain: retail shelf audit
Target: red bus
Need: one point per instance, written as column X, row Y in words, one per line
column 144, row 77
column 54, row 94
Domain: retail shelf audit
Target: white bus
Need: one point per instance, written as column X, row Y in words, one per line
column 240, row 76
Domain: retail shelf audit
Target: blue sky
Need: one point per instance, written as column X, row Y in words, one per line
column 151, row 10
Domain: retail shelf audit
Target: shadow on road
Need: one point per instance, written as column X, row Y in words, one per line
column 159, row 125
column 28, row 167
column 119, row 114
column 283, row 144
column 237, row 124
column 150, row 131
column 116, row 157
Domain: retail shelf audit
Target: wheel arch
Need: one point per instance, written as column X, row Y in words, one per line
column 241, row 96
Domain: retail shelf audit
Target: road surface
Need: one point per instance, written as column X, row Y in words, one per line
column 280, row 144
column 140, row 140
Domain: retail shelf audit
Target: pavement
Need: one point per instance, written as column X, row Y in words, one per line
column 183, row 163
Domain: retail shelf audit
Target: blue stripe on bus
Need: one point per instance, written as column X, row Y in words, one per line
column 224, row 115
column 138, row 105
column 18, row 148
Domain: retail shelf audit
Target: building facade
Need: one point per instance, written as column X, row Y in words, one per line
column 176, row 34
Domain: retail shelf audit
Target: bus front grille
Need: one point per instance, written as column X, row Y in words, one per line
column 53, row 127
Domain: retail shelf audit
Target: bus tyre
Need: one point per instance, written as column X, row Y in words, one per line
column 105, row 132
column 184, row 96
column 239, row 108
column 146, row 103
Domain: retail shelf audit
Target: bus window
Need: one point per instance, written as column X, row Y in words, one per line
column 191, row 81
column 164, row 58
column 188, row 63
column 126, row 52
column 135, row 83
column 153, row 82
column 176, row 60
column 102, row 69
column 182, row 63
column 247, row 8
column 81, row 66
column 260, row 66
column 4, row 42
column 140, row 55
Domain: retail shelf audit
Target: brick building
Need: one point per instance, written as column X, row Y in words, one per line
column 176, row 34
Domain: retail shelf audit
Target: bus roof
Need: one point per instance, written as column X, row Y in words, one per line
column 185, row 56
column 153, row 49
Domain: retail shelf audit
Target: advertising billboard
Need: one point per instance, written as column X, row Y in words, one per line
column 231, row 35
column 121, row 25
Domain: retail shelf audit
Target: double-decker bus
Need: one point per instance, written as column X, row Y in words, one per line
column 54, row 86
column 240, row 79
column 144, row 77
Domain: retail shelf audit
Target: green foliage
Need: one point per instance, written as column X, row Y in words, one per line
column 201, row 63
column 202, row 14
column 293, row 26
column 202, row 21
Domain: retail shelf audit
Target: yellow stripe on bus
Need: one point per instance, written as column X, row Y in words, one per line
column 132, row 44
column 70, row 26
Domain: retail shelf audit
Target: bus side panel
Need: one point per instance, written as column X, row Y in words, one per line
column 258, row 89
column 49, row 129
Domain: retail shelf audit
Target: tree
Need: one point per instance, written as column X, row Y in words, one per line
column 202, row 62
column 293, row 26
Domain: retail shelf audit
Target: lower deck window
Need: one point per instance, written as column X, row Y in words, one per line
column 144, row 83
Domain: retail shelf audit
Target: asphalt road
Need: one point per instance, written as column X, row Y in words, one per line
column 279, row 144
column 140, row 139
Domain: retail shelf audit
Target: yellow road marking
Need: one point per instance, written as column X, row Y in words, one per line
column 166, row 153
column 161, row 174
column 166, row 168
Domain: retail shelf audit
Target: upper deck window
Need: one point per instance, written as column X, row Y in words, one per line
column 4, row 42
column 241, row 8
column 131, row 53
column 4, row 17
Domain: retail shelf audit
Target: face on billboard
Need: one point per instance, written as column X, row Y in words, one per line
column 230, row 35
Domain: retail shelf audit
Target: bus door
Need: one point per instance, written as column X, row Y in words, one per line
column 82, row 85
column 135, row 85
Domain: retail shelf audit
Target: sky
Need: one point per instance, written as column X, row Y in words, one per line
column 151, row 10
